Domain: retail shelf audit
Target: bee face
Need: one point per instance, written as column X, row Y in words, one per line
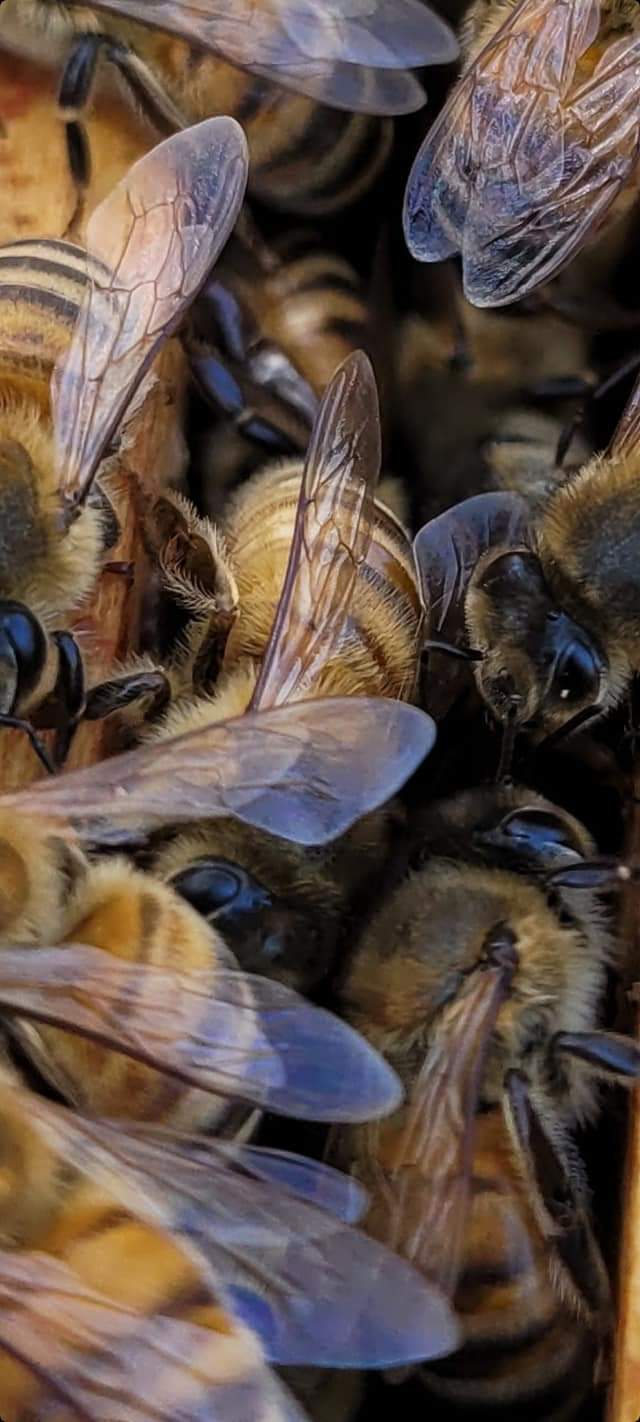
column 267, row 933
column 537, row 662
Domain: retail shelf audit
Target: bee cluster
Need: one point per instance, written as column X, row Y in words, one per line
column 319, row 634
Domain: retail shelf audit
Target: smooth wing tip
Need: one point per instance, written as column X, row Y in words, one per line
column 338, row 1074
column 430, row 1331
column 421, row 37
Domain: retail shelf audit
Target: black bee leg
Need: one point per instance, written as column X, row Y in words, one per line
column 561, row 1205
column 73, row 95
column 76, row 84
column 610, row 1054
column 16, row 723
column 122, row 692
column 69, row 693
column 247, row 377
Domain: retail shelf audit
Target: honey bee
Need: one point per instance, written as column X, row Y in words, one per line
column 152, row 244
column 182, row 66
column 479, row 979
column 303, row 772
column 536, row 151
column 123, row 1285
column 284, row 317
column 326, row 605
column 550, row 603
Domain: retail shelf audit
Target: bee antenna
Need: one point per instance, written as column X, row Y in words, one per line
column 593, row 874
column 589, row 713
column 503, row 773
column 596, row 392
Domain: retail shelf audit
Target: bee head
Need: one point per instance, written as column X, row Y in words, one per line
column 537, row 663
column 266, row 933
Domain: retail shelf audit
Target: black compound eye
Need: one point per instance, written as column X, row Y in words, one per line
column 540, row 830
column 23, row 637
column 577, row 674
column 217, row 888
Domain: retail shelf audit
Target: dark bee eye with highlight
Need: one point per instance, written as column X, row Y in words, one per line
column 540, row 830
column 217, row 888
column 577, row 674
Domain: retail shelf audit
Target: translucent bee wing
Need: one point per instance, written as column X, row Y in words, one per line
column 311, row 1180
column 528, row 154
column 225, row 1032
column 331, row 535
column 155, row 239
column 448, row 549
column 350, row 54
column 421, row 1166
column 315, row 1290
column 99, row 1361
column 306, row 772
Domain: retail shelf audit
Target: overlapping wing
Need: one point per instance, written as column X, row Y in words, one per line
column 306, row 772
column 331, row 535
column 153, row 240
column 527, row 156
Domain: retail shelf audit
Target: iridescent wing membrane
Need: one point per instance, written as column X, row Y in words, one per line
column 153, row 242
column 305, row 771
column 331, row 535
column 423, row 1167
column 352, row 54
column 532, row 148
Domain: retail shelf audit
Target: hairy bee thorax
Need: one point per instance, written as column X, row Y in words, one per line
column 378, row 651
column 589, row 544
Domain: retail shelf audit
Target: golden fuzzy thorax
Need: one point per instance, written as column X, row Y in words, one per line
column 589, row 545
column 434, row 928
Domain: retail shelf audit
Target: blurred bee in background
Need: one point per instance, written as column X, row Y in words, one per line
column 550, row 605
column 468, row 404
column 283, row 318
column 535, row 153
column 100, row 328
column 327, row 605
column 479, row 978
column 183, row 66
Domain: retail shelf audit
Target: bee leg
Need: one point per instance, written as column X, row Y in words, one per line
column 244, row 375
column 560, row 1207
column 611, row 1054
column 76, row 84
column 64, row 706
column 73, row 95
column 16, row 723
column 150, row 686
column 231, row 393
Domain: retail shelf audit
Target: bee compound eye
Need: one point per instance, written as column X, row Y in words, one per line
column 23, row 643
column 220, row 889
column 540, row 831
column 577, row 674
